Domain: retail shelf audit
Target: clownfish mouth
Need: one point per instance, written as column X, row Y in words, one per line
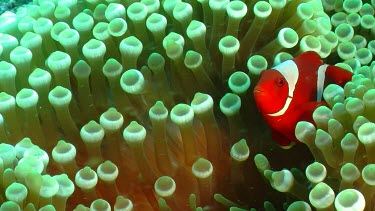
column 257, row 90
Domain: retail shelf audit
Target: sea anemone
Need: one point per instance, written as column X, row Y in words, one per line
column 147, row 105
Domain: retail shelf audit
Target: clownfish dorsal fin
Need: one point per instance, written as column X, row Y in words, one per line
column 289, row 71
column 310, row 57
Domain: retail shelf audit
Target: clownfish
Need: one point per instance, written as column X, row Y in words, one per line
column 291, row 91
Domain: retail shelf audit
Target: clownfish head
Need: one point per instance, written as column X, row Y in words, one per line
column 271, row 92
column 275, row 89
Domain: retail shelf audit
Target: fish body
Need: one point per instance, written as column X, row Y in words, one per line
column 291, row 91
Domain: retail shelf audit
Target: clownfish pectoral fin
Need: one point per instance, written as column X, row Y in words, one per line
column 283, row 141
column 338, row 75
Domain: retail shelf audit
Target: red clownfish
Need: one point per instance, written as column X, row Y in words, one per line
column 291, row 91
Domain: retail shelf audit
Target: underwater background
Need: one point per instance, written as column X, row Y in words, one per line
column 148, row 105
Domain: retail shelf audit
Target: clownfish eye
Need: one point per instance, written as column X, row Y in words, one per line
column 280, row 82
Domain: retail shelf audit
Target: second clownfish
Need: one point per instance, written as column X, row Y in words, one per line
column 291, row 91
